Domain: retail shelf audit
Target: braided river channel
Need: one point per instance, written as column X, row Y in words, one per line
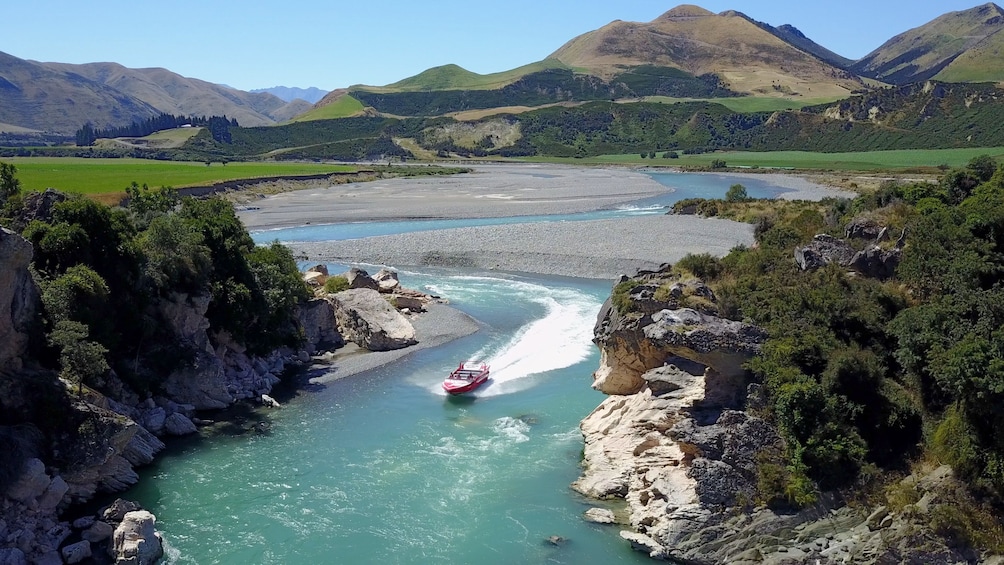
column 383, row 467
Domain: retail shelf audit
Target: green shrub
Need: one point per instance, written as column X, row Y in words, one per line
column 621, row 296
column 708, row 208
column 737, row 193
column 680, row 205
column 336, row 284
column 704, row 266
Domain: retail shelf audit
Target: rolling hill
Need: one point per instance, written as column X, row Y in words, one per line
column 959, row 46
column 60, row 97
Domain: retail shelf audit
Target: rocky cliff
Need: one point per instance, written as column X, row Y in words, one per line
column 61, row 448
column 678, row 441
column 18, row 299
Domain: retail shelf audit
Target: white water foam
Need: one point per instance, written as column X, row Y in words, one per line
column 643, row 210
column 561, row 338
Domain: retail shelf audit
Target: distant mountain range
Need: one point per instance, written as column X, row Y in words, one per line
column 60, row 97
column 731, row 53
column 688, row 52
column 291, row 93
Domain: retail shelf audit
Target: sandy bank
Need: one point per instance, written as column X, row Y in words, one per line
column 602, row 249
column 491, row 191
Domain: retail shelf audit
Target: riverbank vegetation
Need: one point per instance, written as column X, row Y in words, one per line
column 864, row 376
column 105, row 273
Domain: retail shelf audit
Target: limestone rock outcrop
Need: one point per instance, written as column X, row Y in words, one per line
column 19, row 299
column 674, row 442
column 655, row 332
column 368, row 320
column 136, row 540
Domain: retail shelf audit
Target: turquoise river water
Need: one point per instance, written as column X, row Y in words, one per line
column 383, row 467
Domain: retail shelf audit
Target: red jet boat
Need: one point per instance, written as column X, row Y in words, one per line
column 466, row 377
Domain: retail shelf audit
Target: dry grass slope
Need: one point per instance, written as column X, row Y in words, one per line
column 749, row 58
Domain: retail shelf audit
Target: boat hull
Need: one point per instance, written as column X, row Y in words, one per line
column 465, row 379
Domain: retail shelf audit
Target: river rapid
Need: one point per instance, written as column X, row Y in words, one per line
column 383, row 467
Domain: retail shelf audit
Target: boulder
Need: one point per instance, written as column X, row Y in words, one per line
column 136, row 540
column 409, row 303
column 863, row 228
column 98, row 532
column 117, row 510
column 823, row 250
column 31, row 484
column 320, row 329
column 314, row 279
column 320, row 269
column 53, row 495
column 368, row 320
column 153, row 419
column 387, row 280
column 875, row 262
column 19, row 299
column 359, row 278
column 77, row 552
column 723, row 346
column 178, row 424
column 12, row 556
column 599, row 516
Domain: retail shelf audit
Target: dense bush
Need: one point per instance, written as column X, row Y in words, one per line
column 103, row 272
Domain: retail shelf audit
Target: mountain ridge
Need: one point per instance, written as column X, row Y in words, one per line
column 927, row 51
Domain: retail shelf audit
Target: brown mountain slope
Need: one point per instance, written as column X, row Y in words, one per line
column 748, row 57
column 41, row 98
column 174, row 94
column 924, row 52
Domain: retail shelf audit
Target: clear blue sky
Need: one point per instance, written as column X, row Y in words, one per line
column 332, row 43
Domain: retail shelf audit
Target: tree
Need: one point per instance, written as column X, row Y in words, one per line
column 718, row 164
column 9, row 184
column 737, row 193
column 982, row 167
column 80, row 360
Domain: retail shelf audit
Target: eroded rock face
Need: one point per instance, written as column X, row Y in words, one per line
column 631, row 344
column 201, row 383
column 367, row 319
column 19, row 299
column 317, row 318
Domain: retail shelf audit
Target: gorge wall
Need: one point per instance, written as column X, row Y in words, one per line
column 679, row 437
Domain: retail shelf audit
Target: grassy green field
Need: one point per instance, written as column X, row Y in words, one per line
column 107, row 176
column 344, row 107
column 745, row 104
column 865, row 161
